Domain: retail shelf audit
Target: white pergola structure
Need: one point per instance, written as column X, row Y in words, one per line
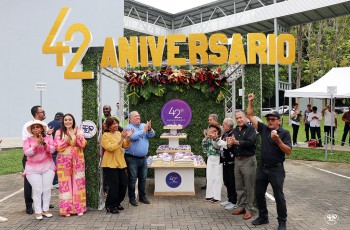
column 232, row 16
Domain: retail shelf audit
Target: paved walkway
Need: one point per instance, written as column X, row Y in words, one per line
column 310, row 193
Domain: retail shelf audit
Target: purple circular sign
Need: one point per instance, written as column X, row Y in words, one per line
column 176, row 112
column 173, row 180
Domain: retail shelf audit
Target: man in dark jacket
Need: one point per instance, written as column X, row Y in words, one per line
column 228, row 160
column 55, row 124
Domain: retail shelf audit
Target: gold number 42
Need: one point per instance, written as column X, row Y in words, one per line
column 60, row 49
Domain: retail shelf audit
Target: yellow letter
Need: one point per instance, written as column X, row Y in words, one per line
column 201, row 49
column 128, row 52
column 173, row 49
column 215, row 47
column 109, row 55
column 237, row 54
column 256, row 46
column 271, row 49
column 156, row 52
column 289, row 41
column 143, row 51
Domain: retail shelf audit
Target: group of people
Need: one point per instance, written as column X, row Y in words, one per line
column 312, row 120
column 41, row 141
column 231, row 160
column 124, row 161
column 230, row 150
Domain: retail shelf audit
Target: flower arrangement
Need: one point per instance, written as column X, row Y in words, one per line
column 148, row 82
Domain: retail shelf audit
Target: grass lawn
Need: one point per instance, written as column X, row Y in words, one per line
column 310, row 154
column 11, row 161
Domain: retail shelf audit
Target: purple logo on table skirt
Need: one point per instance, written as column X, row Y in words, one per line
column 176, row 112
column 173, row 180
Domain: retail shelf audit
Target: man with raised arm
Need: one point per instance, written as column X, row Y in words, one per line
column 275, row 143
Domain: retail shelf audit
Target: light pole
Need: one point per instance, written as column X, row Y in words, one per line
column 40, row 87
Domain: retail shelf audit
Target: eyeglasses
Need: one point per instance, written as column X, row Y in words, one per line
column 43, row 112
column 272, row 119
column 36, row 127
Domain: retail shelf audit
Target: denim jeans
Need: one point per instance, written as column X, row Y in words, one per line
column 137, row 169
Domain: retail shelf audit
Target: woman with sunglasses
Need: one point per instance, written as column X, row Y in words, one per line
column 40, row 168
column 70, row 142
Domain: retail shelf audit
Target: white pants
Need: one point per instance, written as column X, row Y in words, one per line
column 214, row 177
column 41, row 186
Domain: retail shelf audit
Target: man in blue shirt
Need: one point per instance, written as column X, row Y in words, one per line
column 136, row 156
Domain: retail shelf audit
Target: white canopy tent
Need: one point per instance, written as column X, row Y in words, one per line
column 339, row 77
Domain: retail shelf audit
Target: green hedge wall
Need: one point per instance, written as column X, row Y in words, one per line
column 201, row 107
column 252, row 85
column 90, row 112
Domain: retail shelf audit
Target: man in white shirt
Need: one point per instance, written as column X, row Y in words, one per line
column 329, row 125
column 314, row 118
column 38, row 113
column 118, row 111
column 295, row 116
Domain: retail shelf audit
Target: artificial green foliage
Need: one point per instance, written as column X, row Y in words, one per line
column 252, row 85
column 90, row 112
column 201, row 107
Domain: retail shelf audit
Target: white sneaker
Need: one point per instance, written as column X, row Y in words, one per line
column 55, row 186
column 231, row 206
column 3, row 219
column 225, row 203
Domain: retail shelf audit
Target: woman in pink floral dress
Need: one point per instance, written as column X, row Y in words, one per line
column 69, row 142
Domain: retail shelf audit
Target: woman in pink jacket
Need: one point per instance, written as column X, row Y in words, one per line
column 70, row 142
column 40, row 168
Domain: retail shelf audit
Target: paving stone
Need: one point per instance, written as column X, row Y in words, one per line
column 309, row 193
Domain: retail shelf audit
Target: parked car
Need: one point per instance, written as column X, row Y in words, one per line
column 284, row 109
column 340, row 110
column 265, row 111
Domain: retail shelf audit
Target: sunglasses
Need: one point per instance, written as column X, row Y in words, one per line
column 272, row 119
column 36, row 127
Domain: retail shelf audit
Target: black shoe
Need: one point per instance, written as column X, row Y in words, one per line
column 29, row 210
column 342, row 144
column 282, row 226
column 144, row 200
column 112, row 210
column 51, row 206
column 260, row 221
column 133, row 202
column 119, row 207
column 204, row 187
